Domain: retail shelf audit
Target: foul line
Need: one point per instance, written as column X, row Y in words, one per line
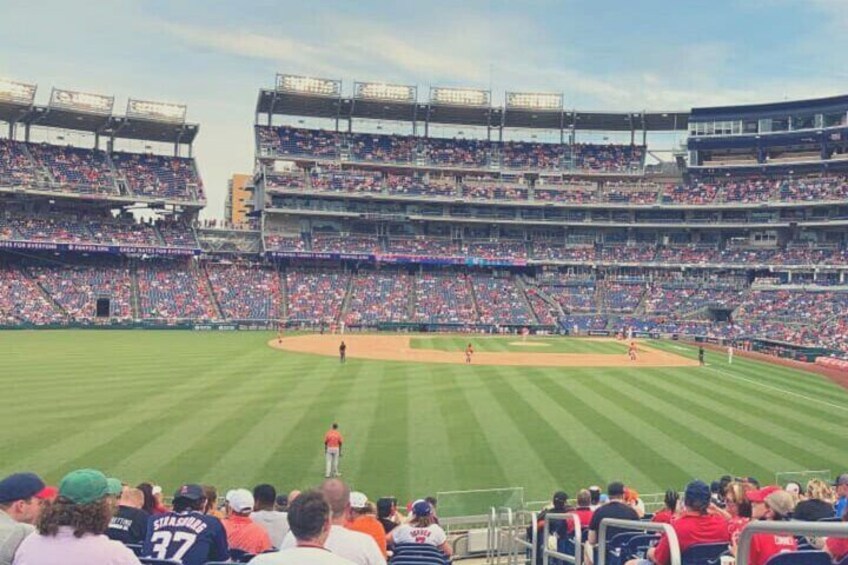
column 784, row 391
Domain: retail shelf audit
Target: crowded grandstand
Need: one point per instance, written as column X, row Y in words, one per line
column 739, row 238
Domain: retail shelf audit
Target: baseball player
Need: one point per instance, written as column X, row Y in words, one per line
column 469, row 351
column 332, row 451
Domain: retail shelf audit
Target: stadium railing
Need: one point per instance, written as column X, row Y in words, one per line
column 520, row 549
column 577, row 538
column 793, row 527
column 639, row 527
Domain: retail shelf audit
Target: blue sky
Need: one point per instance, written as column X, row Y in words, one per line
column 604, row 54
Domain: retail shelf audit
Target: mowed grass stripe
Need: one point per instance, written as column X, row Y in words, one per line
column 427, row 435
column 474, row 460
column 640, row 454
column 519, row 459
column 131, row 424
column 757, row 420
column 540, row 432
column 813, row 430
column 755, row 443
column 713, row 454
column 605, row 396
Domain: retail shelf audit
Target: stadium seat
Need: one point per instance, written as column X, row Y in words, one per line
column 638, row 545
column 154, row 561
column 616, row 545
column 703, row 554
column 240, row 556
column 135, row 547
column 800, row 558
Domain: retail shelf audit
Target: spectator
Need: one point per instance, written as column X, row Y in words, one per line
column 595, row 496
column 837, row 547
column 841, row 486
column 167, row 534
column 281, row 503
column 244, row 534
column 421, row 529
column 21, row 498
column 387, row 514
column 149, row 504
column 361, row 518
column 275, row 522
column 583, row 511
column 70, row 530
column 160, row 505
column 818, row 503
column 355, row 546
column 129, row 524
column 737, row 509
column 615, row 508
column 558, row 527
column 669, row 510
column 694, row 525
column 774, row 504
column 309, row 518
column 211, row 507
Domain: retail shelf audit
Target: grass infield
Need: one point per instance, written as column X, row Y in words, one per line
column 515, row 344
column 225, row 409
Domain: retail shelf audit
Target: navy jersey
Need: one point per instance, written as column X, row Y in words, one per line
column 190, row 538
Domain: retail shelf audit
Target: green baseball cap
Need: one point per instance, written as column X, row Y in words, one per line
column 84, row 486
column 115, row 486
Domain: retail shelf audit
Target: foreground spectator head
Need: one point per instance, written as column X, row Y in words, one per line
column 671, row 499
column 132, row 497
column 595, row 493
column 337, row 494
column 309, row 517
column 211, row 494
column 560, row 501
column 240, row 501
column 762, row 510
column 841, row 485
column 149, row 505
column 189, row 497
column 264, row 496
column 422, row 514
column 281, row 503
column 21, row 496
column 584, row 497
column 82, row 505
column 385, row 507
column 697, row 497
column 736, row 500
column 817, row 489
column 615, row 490
column 359, row 504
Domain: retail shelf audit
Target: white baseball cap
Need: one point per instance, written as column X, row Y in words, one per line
column 156, row 490
column 240, row 500
column 358, row 500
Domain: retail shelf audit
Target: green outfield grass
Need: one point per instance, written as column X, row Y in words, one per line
column 225, row 409
column 515, row 344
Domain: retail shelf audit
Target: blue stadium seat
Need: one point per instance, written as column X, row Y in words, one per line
column 703, row 553
column 240, row 556
column 800, row 558
column 154, row 561
column 417, row 554
column 135, row 547
column 638, row 545
column 615, row 547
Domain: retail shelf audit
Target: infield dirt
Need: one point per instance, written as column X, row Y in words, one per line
column 397, row 348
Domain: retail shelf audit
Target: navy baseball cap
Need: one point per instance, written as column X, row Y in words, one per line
column 190, row 492
column 422, row 508
column 20, row 486
column 697, row 494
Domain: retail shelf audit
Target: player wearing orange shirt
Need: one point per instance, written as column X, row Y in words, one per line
column 469, row 351
column 632, row 351
column 332, row 451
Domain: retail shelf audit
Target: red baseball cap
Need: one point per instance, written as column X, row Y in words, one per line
column 47, row 493
column 761, row 494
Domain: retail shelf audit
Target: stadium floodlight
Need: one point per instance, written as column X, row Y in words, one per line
column 81, row 101
column 309, row 85
column 533, row 101
column 156, row 111
column 385, row 92
column 459, row 96
column 17, row 92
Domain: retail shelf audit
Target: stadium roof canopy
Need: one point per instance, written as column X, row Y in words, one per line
column 833, row 104
column 100, row 123
column 274, row 102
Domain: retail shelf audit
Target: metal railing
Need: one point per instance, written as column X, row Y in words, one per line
column 792, row 527
column 517, row 542
column 501, row 520
column 674, row 546
column 547, row 553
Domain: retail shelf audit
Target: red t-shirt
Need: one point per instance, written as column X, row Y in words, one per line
column 735, row 526
column 585, row 515
column 837, row 547
column 664, row 516
column 692, row 528
column 764, row 546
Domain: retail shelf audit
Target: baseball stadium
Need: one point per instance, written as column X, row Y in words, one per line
column 482, row 296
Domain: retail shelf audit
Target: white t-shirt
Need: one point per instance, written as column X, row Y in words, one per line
column 275, row 523
column 357, row 547
column 431, row 535
column 300, row 556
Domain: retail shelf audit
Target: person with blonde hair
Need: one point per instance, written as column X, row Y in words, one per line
column 422, row 529
column 818, row 503
column 737, row 510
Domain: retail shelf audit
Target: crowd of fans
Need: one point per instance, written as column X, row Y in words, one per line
column 416, row 185
column 501, row 301
column 497, row 249
column 160, row 176
column 422, row 246
column 21, row 300
column 681, row 299
column 622, row 296
column 174, row 292
column 16, row 166
column 444, row 299
column 379, row 298
column 74, row 169
column 315, row 297
column 334, row 243
column 382, row 148
column 76, row 289
column 246, row 292
column 347, row 180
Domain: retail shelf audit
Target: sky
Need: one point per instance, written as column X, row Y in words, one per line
column 621, row 55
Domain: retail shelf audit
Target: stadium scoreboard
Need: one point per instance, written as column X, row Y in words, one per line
column 156, row 111
column 17, row 92
column 81, row 102
column 384, row 92
column 309, row 85
column 471, row 97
